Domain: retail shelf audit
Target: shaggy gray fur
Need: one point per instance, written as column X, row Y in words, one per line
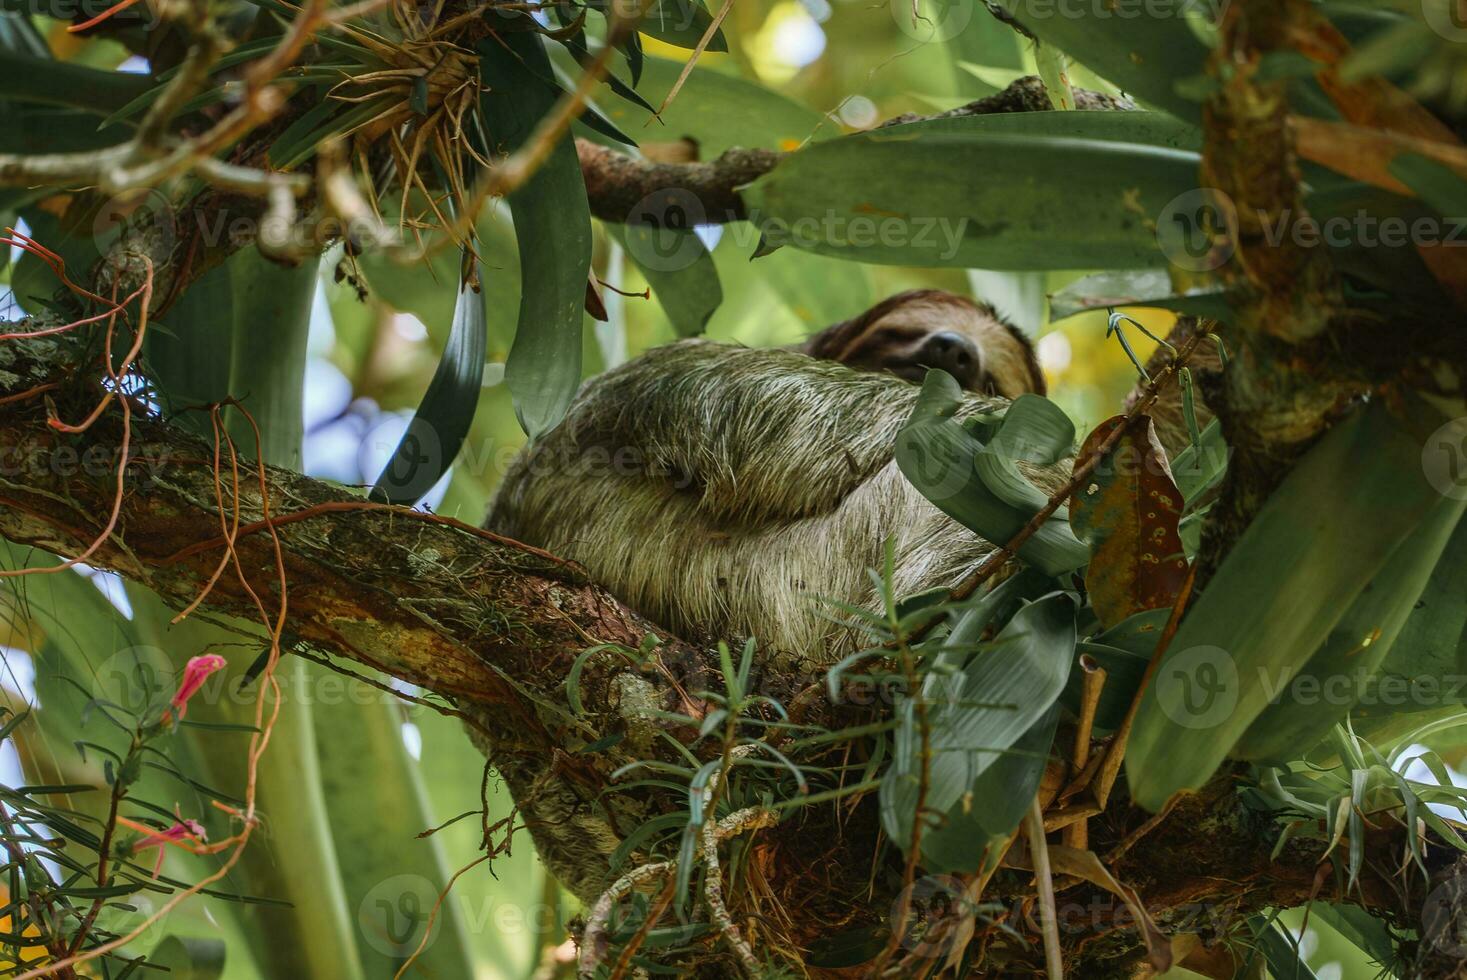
column 722, row 491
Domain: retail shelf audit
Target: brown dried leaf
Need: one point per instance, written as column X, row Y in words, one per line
column 1128, row 512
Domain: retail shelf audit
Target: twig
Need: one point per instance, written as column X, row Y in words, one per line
column 594, row 937
column 433, row 915
column 713, row 877
column 1044, row 880
column 1116, row 752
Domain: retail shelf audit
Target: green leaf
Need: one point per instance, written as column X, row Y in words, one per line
column 1434, row 182
column 1433, row 642
column 977, row 484
column 1019, row 297
column 978, row 708
column 976, row 826
column 272, row 317
column 717, row 111
column 19, row 35
column 1283, row 589
column 680, row 270
column 1145, row 55
column 1281, row 951
column 27, row 78
column 681, row 22
column 1362, row 929
column 439, row 426
column 190, row 957
column 906, row 196
column 34, row 283
column 552, row 225
column 1137, row 287
column 1308, row 708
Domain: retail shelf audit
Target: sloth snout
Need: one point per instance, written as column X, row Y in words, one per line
column 953, row 353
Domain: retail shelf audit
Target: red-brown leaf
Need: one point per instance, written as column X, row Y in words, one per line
column 1128, row 512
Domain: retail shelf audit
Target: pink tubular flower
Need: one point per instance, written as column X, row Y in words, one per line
column 180, row 834
column 195, row 672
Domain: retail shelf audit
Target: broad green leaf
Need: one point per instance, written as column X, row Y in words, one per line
column 190, row 957
column 272, row 315
column 552, row 225
column 718, row 111
column 681, row 22
column 978, row 710
column 906, row 196
column 1281, row 951
column 1325, row 533
column 1017, row 296
column 184, row 357
column 27, row 78
column 390, row 876
column 1305, row 711
column 1139, row 127
column 679, row 269
column 1434, row 182
column 977, row 483
column 1145, row 55
column 976, row 825
column 438, row 427
column 1361, row 928
column 19, row 35
column 1137, row 287
column 519, row 882
column 1433, row 642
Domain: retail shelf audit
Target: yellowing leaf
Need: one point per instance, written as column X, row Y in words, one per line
column 1128, row 513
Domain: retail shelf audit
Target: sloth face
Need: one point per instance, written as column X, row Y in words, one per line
column 914, row 331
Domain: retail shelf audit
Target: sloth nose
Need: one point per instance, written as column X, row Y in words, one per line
column 953, row 353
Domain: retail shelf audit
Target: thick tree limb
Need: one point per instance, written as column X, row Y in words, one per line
column 489, row 624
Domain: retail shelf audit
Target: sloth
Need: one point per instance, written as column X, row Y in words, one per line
column 726, row 492
column 911, row 332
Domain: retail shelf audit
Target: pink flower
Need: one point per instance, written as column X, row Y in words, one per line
column 195, row 672
column 178, row 834
column 179, row 831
